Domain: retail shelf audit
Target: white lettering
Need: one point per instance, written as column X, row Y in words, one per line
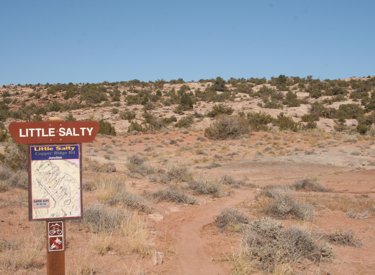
column 62, row 132
column 22, row 134
column 89, row 130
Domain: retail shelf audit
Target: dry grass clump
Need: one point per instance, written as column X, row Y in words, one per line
column 345, row 203
column 7, row 245
column 136, row 165
column 281, row 204
column 132, row 201
column 345, row 238
column 309, row 185
column 204, row 187
column 25, row 254
column 178, row 174
column 269, row 244
column 229, row 180
column 3, row 186
column 226, row 127
column 113, row 192
column 231, row 219
column 95, row 166
column 101, row 218
column 173, row 195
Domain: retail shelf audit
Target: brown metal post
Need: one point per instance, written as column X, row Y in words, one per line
column 55, row 259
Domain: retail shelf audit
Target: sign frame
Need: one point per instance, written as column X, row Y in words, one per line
column 30, row 200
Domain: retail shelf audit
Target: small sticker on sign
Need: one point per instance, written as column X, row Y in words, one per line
column 55, row 236
column 41, row 203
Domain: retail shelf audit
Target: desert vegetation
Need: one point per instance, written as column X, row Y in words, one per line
column 239, row 176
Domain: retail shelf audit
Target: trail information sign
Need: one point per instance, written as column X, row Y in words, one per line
column 55, row 177
column 55, row 191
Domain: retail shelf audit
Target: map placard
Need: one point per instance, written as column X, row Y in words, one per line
column 55, row 175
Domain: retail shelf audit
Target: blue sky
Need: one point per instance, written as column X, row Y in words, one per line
column 92, row 41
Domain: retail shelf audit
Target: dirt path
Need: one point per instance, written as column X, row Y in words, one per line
column 192, row 254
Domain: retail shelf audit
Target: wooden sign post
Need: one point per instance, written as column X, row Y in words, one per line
column 55, row 177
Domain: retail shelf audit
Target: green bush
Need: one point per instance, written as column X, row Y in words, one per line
column 349, row 111
column 291, row 100
column 259, row 121
column 106, row 128
column 226, row 127
column 220, row 109
column 287, row 123
column 185, row 122
column 128, row 115
column 319, row 110
column 135, row 127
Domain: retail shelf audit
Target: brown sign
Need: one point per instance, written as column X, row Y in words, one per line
column 53, row 132
column 55, row 236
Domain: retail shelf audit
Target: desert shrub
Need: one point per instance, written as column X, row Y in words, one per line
column 108, row 167
column 319, row 110
column 229, row 180
column 127, row 115
column 15, row 156
column 114, row 111
column 135, row 127
column 258, row 121
column 19, row 179
column 336, row 90
column 309, row 185
column 185, row 122
column 204, row 187
column 291, row 100
column 218, row 85
column 186, row 102
column 70, row 117
column 314, row 92
column 268, row 243
column 5, row 173
column 230, row 218
column 226, row 127
column 4, row 111
column 7, row 245
column 310, row 118
column 287, row 123
column 169, row 120
column 137, row 165
column 133, row 201
column 101, row 218
column 173, row 195
column 362, row 128
column 178, row 174
column 113, row 192
column 220, row 109
column 152, row 122
column 92, row 93
column 345, row 238
column 106, row 128
column 3, row 133
column 283, row 205
column 348, row 111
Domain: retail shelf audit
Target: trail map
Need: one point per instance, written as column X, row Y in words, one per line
column 55, row 181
